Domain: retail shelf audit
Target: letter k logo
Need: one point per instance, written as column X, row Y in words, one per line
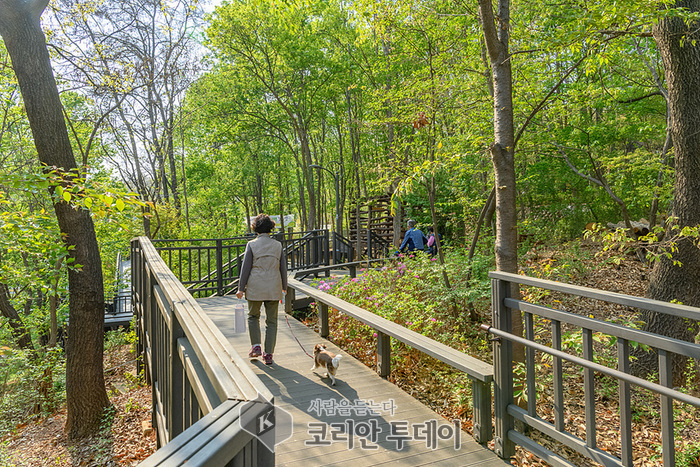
column 266, row 421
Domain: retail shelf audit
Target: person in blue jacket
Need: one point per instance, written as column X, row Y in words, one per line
column 414, row 238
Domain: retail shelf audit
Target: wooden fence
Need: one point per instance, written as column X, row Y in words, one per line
column 201, row 386
column 507, row 412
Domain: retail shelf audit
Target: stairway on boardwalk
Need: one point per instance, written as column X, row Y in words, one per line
column 325, row 417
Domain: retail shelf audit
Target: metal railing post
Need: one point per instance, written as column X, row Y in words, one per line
column 289, row 300
column 219, row 268
column 323, row 318
column 336, row 246
column 369, row 244
column 383, row 354
column 136, row 305
column 503, row 370
column 176, row 380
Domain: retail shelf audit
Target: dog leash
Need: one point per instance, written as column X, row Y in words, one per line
column 286, row 317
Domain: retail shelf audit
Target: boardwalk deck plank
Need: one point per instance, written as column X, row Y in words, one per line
column 295, row 387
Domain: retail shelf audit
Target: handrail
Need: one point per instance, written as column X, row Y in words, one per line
column 376, row 245
column 312, row 247
column 506, row 412
column 351, row 267
column 342, row 249
column 479, row 372
column 191, row 366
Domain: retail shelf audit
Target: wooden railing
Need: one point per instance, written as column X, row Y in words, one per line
column 201, row 386
column 211, row 266
column 326, row 270
column 204, row 266
column 507, row 412
column 480, row 373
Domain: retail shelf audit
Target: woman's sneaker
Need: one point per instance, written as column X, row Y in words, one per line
column 267, row 358
column 255, row 351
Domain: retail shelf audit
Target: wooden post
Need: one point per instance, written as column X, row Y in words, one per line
column 323, row 318
column 383, row 355
column 289, row 300
column 666, row 379
column 481, row 400
column 176, row 380
column 503, row 370
column 136, row 295
column 623, row 364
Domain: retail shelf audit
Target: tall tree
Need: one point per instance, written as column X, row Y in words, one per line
column 678, row 277
column 284, row 49
column 25, row 42
column 136, row 58
column 497, row 34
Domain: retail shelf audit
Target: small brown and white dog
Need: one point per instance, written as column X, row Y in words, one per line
column 327, row 360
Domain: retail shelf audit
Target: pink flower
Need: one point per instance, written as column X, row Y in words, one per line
column 374, row 335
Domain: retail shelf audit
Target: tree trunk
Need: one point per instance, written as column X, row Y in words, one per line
column 19, row 331
column 503, row 148
column 26, row 45
column 681, row 58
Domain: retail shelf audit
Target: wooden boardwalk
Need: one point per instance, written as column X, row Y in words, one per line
column 325, row 417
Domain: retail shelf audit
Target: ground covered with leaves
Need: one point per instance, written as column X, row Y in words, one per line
column 411, row 292
column 121, row 441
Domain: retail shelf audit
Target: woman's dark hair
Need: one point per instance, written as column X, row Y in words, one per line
column 263, row 224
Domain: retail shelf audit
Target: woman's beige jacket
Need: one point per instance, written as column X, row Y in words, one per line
column 264, row 269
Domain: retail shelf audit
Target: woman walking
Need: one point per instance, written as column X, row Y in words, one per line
column 263, row 280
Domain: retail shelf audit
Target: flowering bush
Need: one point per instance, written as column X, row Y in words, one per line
column 410, row 291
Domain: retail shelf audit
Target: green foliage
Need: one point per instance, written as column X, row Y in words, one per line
column 689, row 456
column 661, row 242
column 31, row 388
column 116, row 338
